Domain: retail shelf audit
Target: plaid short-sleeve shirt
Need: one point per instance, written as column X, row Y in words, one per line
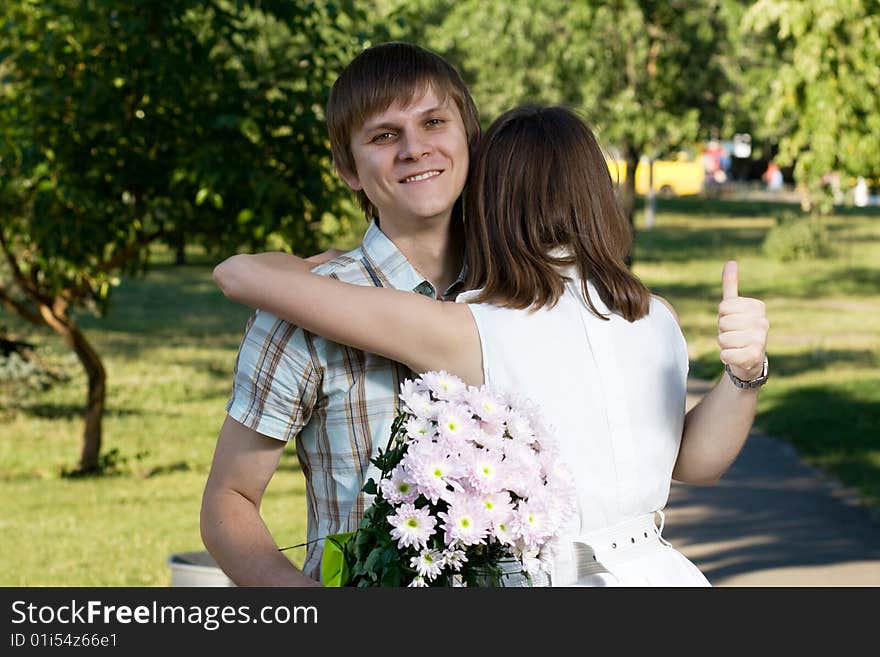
column 336, row 401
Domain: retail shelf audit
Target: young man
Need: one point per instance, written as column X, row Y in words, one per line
column 402, row 128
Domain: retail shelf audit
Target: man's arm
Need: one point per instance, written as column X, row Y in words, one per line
column 231, row 525
column 716, row 429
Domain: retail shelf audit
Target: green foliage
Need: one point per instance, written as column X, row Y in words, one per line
column 797, row 238
column 123, row 123
column 646, row 74
column 821, row 101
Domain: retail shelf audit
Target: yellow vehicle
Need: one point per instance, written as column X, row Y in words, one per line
column 671, row 177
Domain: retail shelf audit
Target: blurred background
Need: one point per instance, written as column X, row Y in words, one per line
column 141, row 142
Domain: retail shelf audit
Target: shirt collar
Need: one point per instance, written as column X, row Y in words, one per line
column 400, row 274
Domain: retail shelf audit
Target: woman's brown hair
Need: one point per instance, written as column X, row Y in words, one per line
column 540, row 197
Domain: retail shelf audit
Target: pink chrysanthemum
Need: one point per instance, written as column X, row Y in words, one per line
column 412, row 527
column 400, row 487
column 444, row 385
column 465, row 523
column 428, row 563
column 484, row 469
column 454, row 424
column 432, row 468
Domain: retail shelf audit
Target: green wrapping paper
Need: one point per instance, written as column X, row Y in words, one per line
column 334, row 567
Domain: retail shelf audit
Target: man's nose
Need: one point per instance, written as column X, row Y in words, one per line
column 414, row 146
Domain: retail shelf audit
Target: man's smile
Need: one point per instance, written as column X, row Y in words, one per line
column 419, row 177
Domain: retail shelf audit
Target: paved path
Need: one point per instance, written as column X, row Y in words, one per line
column 774, row 521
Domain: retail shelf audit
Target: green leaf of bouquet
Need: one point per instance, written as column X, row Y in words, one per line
column 374, row 559
column 392, row 577
column 390, row 555
column 370, row 488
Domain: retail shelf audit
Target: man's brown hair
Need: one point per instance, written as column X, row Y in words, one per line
column 379, row 77
column 539, row 197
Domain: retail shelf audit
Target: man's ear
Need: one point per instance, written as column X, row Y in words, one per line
column 350, row 177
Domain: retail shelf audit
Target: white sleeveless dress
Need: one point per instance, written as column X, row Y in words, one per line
column 614, row 391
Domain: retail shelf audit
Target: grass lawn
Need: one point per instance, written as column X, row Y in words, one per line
column 169, row 344
column 824, row 342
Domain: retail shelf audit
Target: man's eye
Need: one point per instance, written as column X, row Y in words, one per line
column 435, row 122
column 385, row 136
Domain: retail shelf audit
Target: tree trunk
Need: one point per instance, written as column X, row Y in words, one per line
column 650, row 200
column 628, row 193
column 62, row 324
column 180, row 249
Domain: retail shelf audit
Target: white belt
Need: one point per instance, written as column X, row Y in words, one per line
column 582, row 555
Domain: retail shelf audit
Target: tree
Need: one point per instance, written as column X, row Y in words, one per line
column 126, row 124
column 648, row 75
column 822, row 103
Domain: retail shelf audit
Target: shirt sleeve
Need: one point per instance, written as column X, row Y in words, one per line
column 276, row 379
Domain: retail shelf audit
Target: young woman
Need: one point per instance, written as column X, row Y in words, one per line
column 554, row 314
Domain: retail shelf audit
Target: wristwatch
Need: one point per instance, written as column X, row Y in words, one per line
column 754, row 383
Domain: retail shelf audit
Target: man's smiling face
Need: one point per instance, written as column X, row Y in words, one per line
column 411, row 161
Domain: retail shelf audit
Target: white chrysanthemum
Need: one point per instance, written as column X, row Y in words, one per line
column 412, row 386
column 454, row 424
column 504, row 528
column 490, row 407
column 519, row 428
column 484, row 469
column 560, row 490
column 418, row 582
column 454, row 558
column 466, row 522
column 420, row 404
column 548, row 451
column 551, row 548
column 432, row 469
column 418, row 428
column 497, row 504
column 412, row 527
column 428, row 563
column 444, row 385
column 400, row 487
column 533, row 523
column 489, row 437
column 521, row 473
column 531, row 563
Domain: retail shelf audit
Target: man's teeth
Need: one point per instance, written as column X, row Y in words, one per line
column 422, row 176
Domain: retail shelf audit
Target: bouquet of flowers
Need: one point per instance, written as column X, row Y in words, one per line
column 471, row 493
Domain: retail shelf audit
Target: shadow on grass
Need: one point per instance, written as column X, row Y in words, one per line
column 682, row 244
column 848, row 415
column 70, row 411
column 848, row 281
column 173, row 303
column 844, row 281
column 705, row 206
column 772, row 512
column 708, row 367
column 860, row 281
column 169, row 468
column 700, row 291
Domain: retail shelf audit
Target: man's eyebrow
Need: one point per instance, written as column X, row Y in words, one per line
column 391, row 125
